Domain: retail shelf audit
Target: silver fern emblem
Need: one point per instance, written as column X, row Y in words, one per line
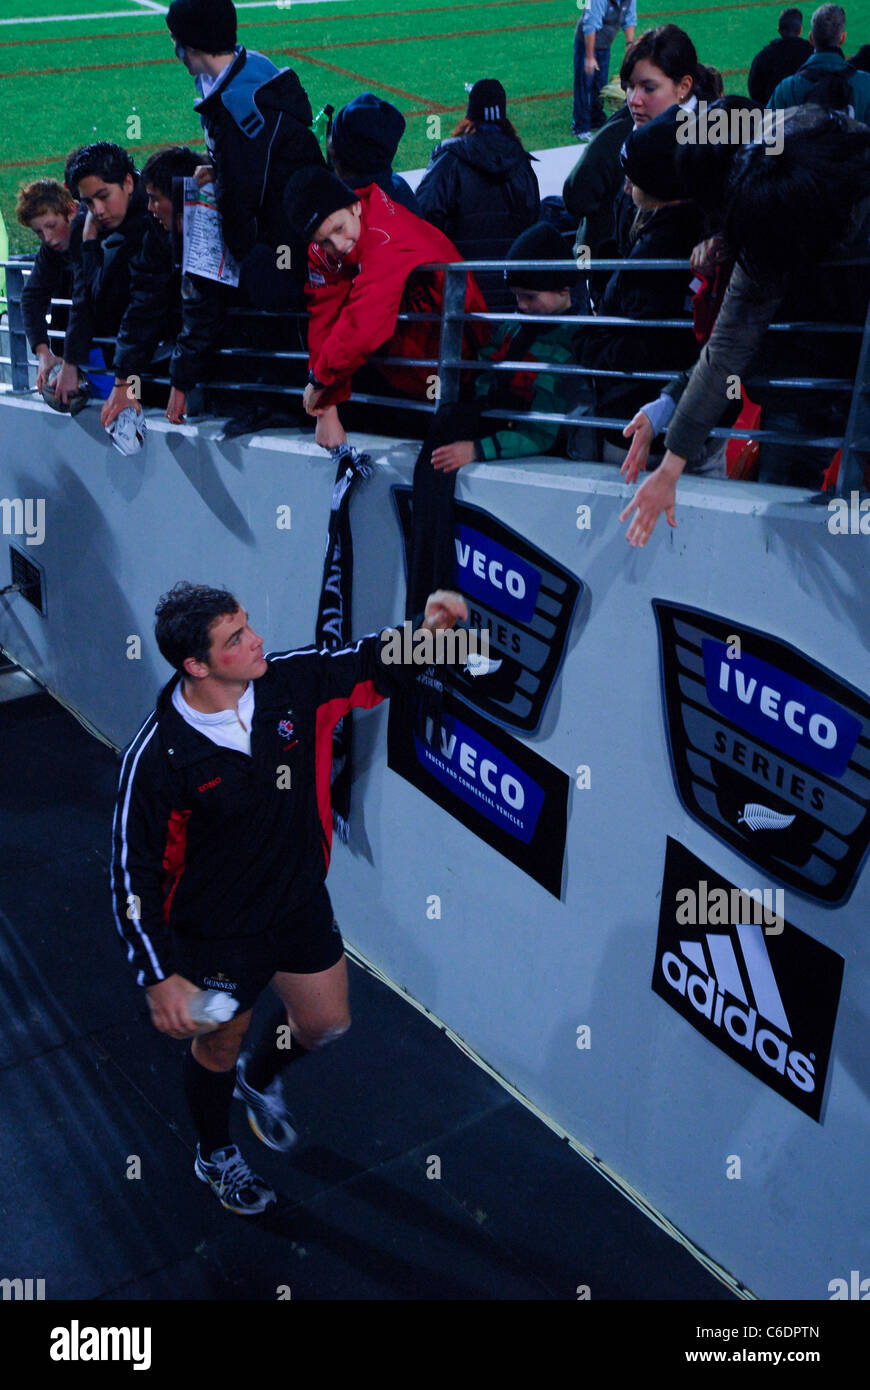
column 480, row 665
column 759, row 817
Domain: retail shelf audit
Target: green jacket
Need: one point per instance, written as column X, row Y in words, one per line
column 548, row 392
column 795, row 91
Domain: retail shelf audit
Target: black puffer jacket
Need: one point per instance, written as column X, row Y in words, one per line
column 670, row 234
column 165, row 305
column 257, row 125
column 101, row 279
column 481, row 190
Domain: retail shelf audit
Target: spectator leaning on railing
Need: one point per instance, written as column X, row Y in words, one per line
column 165, row 306
column 786, row 214
column 363, row 259
column 48, row 210
column 104, row 177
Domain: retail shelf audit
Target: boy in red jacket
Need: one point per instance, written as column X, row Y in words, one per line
column 363, row 257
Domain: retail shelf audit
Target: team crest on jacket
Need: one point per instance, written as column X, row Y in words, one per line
column 286, row 727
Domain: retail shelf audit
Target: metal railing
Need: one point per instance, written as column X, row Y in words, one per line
column 450, row 365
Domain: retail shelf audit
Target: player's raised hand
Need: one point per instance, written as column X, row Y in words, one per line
column 443, row 609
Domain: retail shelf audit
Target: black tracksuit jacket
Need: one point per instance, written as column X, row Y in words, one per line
column 101, row 286
column 165, row 304
column 206, row 843
column 51, row 278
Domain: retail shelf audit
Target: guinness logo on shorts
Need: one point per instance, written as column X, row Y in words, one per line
column 220, row 981
column 522, row 598
column 770, row 751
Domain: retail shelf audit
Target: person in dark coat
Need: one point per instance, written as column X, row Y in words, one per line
column 780, row 58
column 48, row 210
column 667, row 227
column 165, row 306
column 362, row 144
column 104, row 178
column 257, row 124
column 480, row 188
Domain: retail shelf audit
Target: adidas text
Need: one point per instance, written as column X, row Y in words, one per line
column 739, row 1023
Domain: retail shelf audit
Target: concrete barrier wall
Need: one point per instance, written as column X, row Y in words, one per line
column 775, row 1196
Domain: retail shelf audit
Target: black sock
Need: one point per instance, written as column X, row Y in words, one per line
column 268, row 1060
column 209, row 1094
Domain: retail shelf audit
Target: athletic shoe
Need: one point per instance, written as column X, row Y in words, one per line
column 581, row 135
column 233, row 1183
column 268, row 1116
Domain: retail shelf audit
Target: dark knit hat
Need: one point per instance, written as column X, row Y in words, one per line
column 206, row 24
column 487, row 101
column 539, row 243
column 366, row 132
column 312, row 195
column 649, row 157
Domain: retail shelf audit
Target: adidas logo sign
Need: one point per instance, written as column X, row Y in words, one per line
column 707, row 973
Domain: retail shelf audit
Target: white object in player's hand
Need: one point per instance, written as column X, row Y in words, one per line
column 211, row 1006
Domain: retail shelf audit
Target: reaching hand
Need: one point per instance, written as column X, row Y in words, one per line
column 329, row 431
column 708, row 254
column 176, row 410
column 656, row 495
column 120, row 398
column 635, row 461
column 47, row 360
column 67, row 382
column 449, row 457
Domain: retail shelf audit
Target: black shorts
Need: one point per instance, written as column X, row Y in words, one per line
column 304, row 942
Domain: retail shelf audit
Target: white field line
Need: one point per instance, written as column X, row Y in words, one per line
column 162, row 9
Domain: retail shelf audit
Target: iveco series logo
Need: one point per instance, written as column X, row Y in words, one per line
column 525, row 602
column 770, row 751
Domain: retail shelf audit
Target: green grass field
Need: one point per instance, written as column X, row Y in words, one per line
column 78, row 70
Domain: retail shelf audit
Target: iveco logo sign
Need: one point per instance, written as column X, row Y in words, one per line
column 770, row 751
column 523, row 599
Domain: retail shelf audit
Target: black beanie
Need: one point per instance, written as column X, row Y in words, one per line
column 487, row 101
column 539, row 243
column 649, row 157
column 206, row 24
column 311, row 196
column 366, row 132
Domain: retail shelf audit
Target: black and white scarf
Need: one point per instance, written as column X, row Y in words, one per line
column 334, row 616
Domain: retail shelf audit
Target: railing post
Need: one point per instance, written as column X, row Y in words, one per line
column 856, row 442
column 17, row 336
column 450, row 346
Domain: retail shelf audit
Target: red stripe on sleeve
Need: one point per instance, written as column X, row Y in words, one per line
column 363, row 696
column 173, row 856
